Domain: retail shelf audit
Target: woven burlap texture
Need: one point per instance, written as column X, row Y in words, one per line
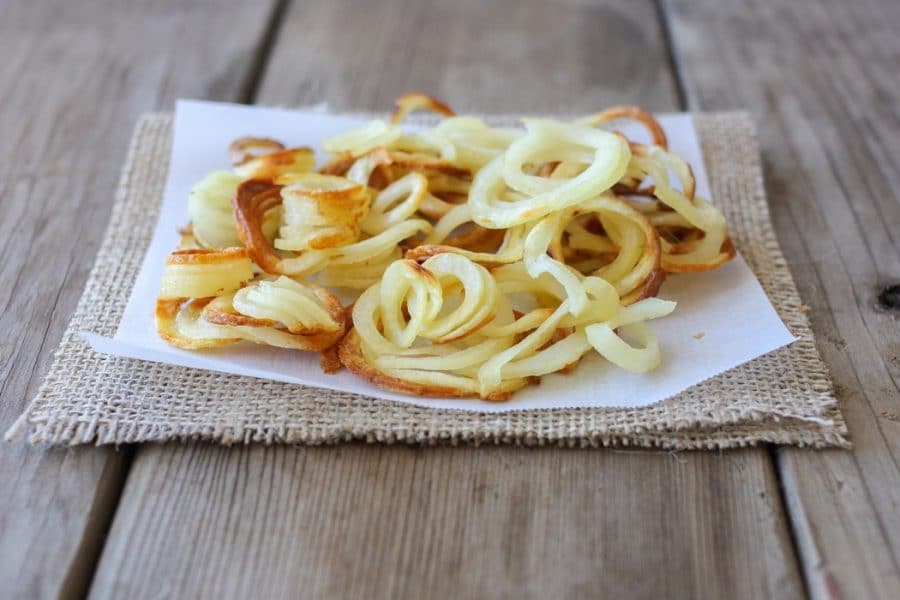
column 784, row 397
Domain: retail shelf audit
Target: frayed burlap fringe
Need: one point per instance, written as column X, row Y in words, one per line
column 785, row 397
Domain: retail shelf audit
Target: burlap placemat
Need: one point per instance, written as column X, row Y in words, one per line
column 785, row 397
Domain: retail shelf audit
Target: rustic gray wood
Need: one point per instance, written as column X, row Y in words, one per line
column 495, row 56
column 822, row 80
column 357, row 521
column 74, row 78
column 198, row 520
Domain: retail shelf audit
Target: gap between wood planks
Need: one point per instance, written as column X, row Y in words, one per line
column 258, row 66
column 816, row 76
column 685, row 103
column 75, row 80
column 674, row 65
column 81, row 571
column 80, row 576
column 77, row 582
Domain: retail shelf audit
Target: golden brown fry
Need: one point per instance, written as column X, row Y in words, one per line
column 320, row 211
column 414, row 101
column 417, row 162
column 632, row 113
column 351, row 356
column 282, row 312
column 282, row 162
column 254, row 198
column 205, row 272
column 243, row 149
column 330, row 360
column 540, row 245
column 179, row 323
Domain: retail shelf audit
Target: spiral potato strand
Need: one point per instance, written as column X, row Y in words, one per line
column 320, row 211
column 405, row 338
column 280, row 312
column 486, row 257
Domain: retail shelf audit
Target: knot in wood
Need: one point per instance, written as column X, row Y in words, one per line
column 889, row 298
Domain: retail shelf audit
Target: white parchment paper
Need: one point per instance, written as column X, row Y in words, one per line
column 723, row 317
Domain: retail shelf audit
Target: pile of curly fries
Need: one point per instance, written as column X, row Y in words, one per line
column 481, row 258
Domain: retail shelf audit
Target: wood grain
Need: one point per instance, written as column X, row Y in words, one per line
column 74, row 78
column 821, row 78
column 357, row 521
column 353, row 521
column 572, row 57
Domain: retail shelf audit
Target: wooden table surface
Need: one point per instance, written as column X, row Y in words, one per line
column 821, row 77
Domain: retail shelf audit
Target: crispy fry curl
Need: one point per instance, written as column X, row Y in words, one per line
column 480, row 258
column 449, row 327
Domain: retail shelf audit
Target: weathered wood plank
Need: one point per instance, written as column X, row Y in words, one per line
column 480, row 522
column 821, row 78
column 487, row 522
column 512, row 57
column 74, row 78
